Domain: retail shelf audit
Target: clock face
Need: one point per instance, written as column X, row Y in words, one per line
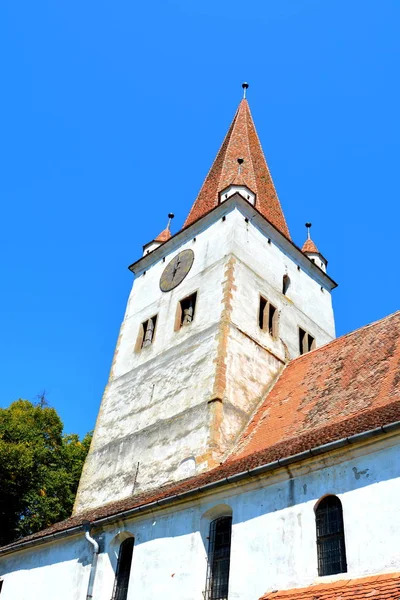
column 176, row 270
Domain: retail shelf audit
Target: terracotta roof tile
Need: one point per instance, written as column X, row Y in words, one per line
column 241, row 141
column 345, row 378
column 309, row 246
column 164, row 236
column 378, row 587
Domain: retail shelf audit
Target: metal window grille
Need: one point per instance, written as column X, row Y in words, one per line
column 330, row 537
column 219, row 553
column 123, row 570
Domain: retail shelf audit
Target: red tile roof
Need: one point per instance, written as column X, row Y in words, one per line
column 349, row 386
column 241, row 141
column 345, row 378
column 164, row 236
column 378, row 587
column 309, row 246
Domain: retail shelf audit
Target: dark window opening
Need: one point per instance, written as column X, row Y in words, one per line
column 306, row 341
column 186, row 311
column 268, row 317
column 330, row 537
column 261, row 314
column 219, row 553
column 148, row 331
column 1, row 584
column 123, row 570
column 285, row 284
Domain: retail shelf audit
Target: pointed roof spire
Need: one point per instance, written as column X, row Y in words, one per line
column 241, row 142
column 309, row 245
column 165, row 235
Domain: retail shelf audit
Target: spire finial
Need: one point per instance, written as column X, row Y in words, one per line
column 245, row 86
column 308, row 225
column 170, row 217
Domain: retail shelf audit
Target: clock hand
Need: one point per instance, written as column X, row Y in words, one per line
column 176, row 267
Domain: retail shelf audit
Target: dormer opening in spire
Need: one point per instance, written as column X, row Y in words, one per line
column 252, row 180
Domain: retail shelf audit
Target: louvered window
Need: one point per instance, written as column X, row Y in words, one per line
column 219, row 553
column 123, row 570
column 330, row 537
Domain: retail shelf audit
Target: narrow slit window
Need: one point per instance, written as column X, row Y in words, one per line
column 219, row 554
column 186, row 311
column 331, row 547
column 123, row 570
column 306, row 341
column 146, row 333
column 261, row 312
column 285, row 284
column 268, row 317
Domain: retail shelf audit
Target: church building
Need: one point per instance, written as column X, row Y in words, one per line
column 241, row 450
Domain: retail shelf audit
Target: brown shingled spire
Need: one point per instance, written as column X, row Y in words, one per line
column 240, row 141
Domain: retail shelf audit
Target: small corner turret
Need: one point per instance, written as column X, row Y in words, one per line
column 312, row 252
column 162, row 237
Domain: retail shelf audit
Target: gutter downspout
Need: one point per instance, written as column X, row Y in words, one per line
column 92, row 575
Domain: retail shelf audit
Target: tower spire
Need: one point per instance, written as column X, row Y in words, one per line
column 241, row 142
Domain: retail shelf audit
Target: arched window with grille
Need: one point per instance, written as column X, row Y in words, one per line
column 330, row 537
column 219, row 554
column 123, row 569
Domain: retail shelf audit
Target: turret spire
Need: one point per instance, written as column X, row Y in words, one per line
column 166, row 233
column 240, row 143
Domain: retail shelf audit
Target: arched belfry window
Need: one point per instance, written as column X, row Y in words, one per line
column 219, row 554
column 123, row 569
column 330, row 537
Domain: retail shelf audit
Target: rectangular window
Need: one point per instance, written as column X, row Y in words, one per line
column 146, row 333
column 186, row 311
column 306, row 341
column 268, row 317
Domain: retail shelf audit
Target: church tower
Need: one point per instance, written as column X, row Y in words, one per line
column 215, row 313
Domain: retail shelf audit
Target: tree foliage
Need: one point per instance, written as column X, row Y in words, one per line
column 39, row 468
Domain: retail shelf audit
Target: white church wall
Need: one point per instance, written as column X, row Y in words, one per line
column 273, row 536
column 58, row 570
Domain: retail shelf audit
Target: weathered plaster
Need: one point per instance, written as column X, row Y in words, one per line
column 176, row 406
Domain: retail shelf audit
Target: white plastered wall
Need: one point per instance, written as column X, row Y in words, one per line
column 154, row 424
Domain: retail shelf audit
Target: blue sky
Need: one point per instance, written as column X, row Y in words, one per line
column 104, row 102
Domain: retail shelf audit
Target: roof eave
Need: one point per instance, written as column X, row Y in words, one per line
column 158, row 252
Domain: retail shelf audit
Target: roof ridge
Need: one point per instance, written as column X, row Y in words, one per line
column 269, row 172
column 213, row 163
column 246, row 115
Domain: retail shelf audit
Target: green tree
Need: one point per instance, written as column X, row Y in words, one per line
column 39, row 468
